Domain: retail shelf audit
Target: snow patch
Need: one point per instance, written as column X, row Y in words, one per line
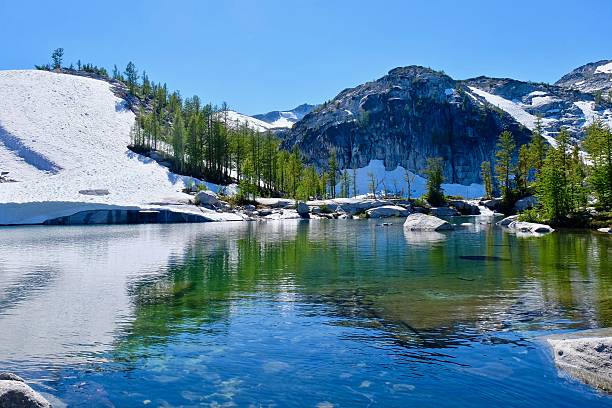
column 604, row 68
column 395, row 181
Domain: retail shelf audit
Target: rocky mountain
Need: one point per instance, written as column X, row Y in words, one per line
column 413, row 113
column 285, row 119
column 592, row 77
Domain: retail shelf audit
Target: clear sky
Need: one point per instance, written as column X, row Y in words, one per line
column 271, row 54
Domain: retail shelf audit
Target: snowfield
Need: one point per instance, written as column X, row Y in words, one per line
column 62, row 134
column 394, row 180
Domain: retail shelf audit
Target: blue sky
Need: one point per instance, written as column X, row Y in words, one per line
column 266, row 55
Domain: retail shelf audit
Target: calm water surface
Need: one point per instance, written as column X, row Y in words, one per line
column 326, row 313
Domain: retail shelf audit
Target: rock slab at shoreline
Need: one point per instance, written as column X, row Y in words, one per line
column 15, row 393
column 586, row 356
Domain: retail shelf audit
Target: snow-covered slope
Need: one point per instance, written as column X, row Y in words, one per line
column 557, row 107
column 63, row 134
column 236, row 119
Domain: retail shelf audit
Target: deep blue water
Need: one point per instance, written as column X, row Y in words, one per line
column 326, row 313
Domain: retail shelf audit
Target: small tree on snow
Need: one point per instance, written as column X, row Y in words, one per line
column 56, row 57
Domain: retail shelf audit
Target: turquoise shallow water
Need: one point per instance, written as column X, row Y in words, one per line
column 322, row 313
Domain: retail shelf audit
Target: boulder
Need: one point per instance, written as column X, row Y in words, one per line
column 275, row 202
column 424, row 222
column 530, row 227
column 303, row 209
column 464, row 207
column 387, row 211
column 586, row 356
column 315, row 210
column 492, row 204
column 206, row 198
column 525, row 203
column 15, row 393
column 507, row 221
column 444, row 212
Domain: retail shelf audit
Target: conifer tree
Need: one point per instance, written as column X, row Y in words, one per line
column 56, row 57
column 487, row 180
column 131, row 76
column 504, row 166
column 333, row 169
column 434, row 173
column 598, row 144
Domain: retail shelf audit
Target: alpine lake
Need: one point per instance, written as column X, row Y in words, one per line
column 321, row 313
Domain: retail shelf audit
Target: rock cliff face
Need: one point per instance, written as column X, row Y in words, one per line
column 403, row 118
column 414, row 113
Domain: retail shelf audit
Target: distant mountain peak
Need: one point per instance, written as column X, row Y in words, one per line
column 285, row 119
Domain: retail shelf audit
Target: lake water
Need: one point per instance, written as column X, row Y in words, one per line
column 287, row 314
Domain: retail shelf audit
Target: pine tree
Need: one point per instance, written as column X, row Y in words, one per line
column 598, row 144
column 56, row 57
column 131, row 76
column 504, row 166
column 333, row 169
column 523, row 168
column 178, row 141
column 487, row 180
column 537, row 148
column 434, row 173
column 554, row 182
column 345, row 183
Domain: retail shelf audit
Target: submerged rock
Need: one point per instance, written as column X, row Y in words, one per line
column 586, row 356
column 15, row 393
column 424, row 222
column 388, row 211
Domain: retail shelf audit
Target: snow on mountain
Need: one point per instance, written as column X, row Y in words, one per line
column 236, row 119
column 591, row 77
column 285, row 119
column 604, row 68
column 61, row 135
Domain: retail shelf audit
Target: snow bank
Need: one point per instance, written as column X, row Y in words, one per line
column 63, row 134
column 395, row 180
